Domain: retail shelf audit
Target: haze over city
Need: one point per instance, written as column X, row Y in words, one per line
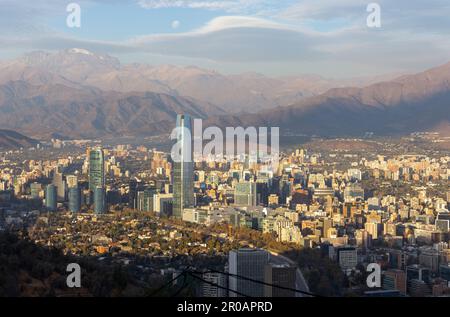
column 196, row 154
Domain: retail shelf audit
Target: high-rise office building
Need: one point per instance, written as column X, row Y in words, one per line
column 442, row 222
column 99, row 201
column 51, row 197
column 347, row 258
column 96, row 169
column 429, row 258
column 280, row 275
column 285, row 190
column 145, row 199
column 183, row 172
column 398, row 259
column 163, row 204
column 418, row 279
column 418, row 272
column 60, row 184
column 74, row 199
column 248, row 263
column 35, row 190
column 372, row 229
column 327, row 224
column 395, row 280
column 140, row 201
column 262, row 192
column 245, row 194
column 353, row 192
column 72, row 181
column 132, row 193
column 209, row 290
column 148, row 199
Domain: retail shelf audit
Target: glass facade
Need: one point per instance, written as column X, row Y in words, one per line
column 51, row 198
column 245, row 194
column 74, row 199
column 99, row 201
column 35, row 189
column 183, row 172
column 96, row 169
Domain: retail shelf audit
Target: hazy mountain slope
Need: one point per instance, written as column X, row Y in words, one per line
column 248, row 92
column 13, row 140
column 43, row 110
column 77, row 93
column 412, row 103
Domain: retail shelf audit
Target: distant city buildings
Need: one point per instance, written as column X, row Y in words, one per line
column 351, row 207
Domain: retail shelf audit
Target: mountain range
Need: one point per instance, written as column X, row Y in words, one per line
column 13, row 140
column 77, row 93
column 412, row 103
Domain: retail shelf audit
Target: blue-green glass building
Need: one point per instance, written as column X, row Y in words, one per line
column 99, row 200
column 74, row 199
column 96, row 169
column 51, row 197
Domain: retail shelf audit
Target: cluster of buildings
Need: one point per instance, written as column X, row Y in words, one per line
column 357, row 208
column 251, row 272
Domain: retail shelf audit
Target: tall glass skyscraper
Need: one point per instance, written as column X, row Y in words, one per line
column 183, row 171
column 74, row 199
column 51, row 198
column 96, row 169
column 58, row 181
column 99, row 201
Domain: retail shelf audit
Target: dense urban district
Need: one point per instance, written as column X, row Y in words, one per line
column 134, row 220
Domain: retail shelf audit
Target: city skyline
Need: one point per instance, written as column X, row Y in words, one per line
column 134, row 151
column 339, row 208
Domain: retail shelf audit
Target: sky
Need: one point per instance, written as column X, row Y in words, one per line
column 277, row 38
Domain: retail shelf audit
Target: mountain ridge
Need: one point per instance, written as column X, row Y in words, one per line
column 44, row 110
column 419, row 102
column 13, row 140
column 247, row 92
column 77, row 93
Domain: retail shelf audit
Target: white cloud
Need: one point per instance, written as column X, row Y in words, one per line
column 414, row 35
column 240, row 7
column 232, row 39
column 175, row 24
column 211, row 5
column 229, row 22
